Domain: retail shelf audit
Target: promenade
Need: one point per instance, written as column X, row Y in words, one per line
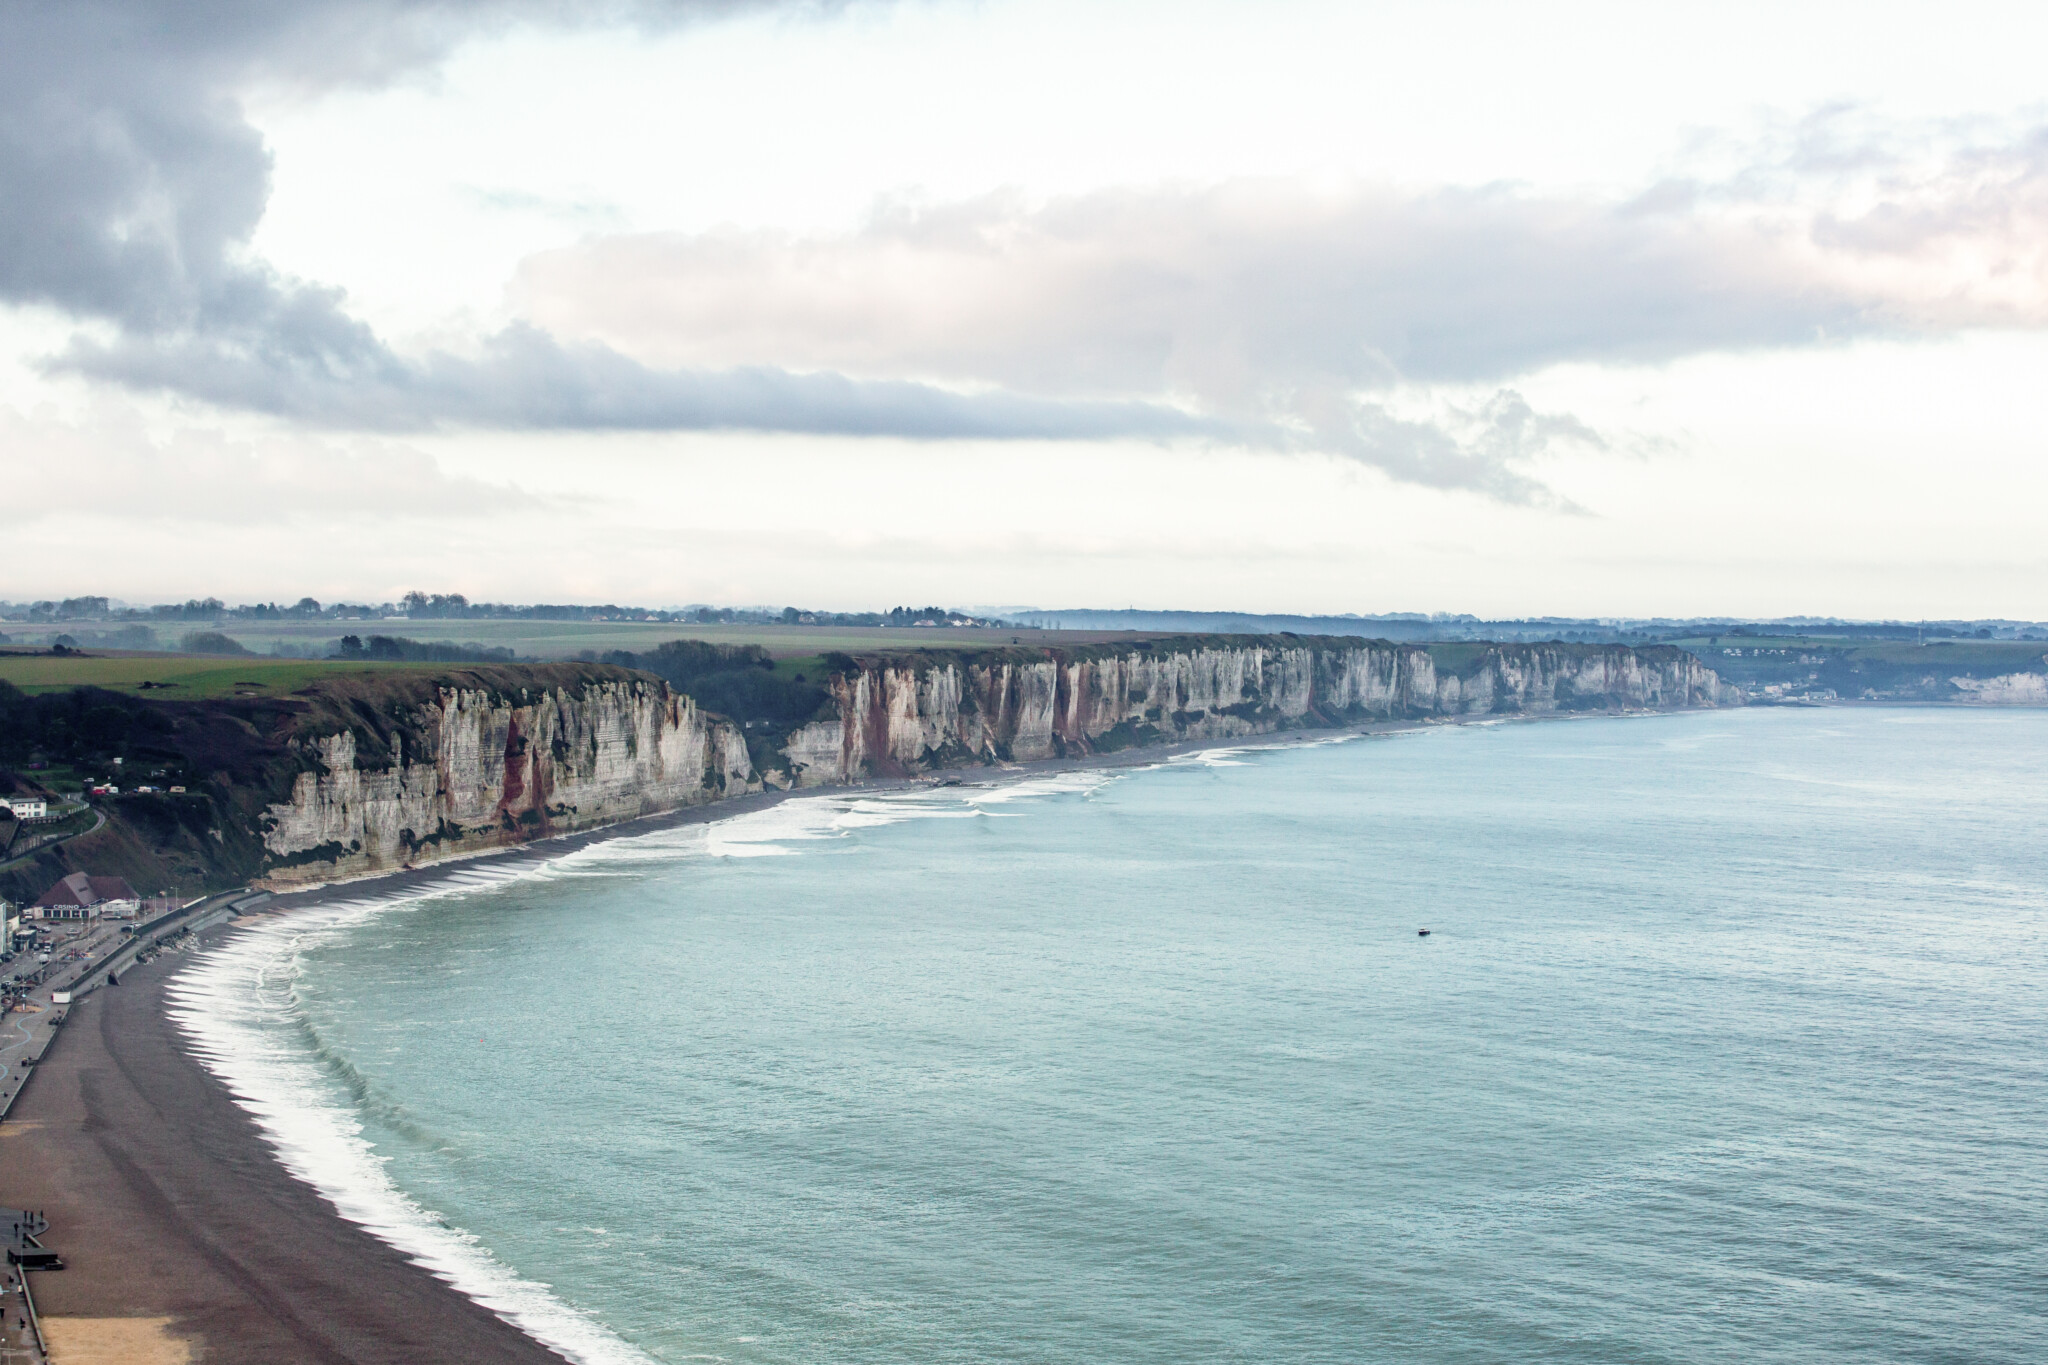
column 79, row 965
column 82, row 964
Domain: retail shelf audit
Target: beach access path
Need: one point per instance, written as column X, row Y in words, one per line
column 184, row 1238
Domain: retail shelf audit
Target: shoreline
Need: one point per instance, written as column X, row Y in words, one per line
column 185, row 1239
column 184, row 1227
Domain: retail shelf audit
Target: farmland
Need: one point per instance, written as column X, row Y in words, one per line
column 177, row 677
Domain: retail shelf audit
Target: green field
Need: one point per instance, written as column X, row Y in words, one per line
column 178, row 677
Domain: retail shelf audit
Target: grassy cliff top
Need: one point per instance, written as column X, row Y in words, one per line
column 201, row 715
column 206, row 677
column 178, row 677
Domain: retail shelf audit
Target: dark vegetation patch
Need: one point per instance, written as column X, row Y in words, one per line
column 1127, row 734
column 210, row 642
column 333, row 851
column 235, row 755
column 398, row 649
column 740, row 682
column 86, row 726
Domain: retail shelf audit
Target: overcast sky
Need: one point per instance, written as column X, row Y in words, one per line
column 1512, row 309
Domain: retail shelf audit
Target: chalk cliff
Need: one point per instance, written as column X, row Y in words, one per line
column 472, row 768
column 2009, row 689
column 911, row 714
column 410, row 769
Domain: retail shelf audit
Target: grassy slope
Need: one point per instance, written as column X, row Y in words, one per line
column 192, row 677
column 233, row 749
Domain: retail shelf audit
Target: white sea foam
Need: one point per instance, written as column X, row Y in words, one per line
column 238, row 1006
column 1083, row 782
column 783, row 829
column 1211, row 758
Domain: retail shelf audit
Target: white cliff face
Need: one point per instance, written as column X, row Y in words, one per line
column 493, row 771
column 2011, row 689
column 472, row 769
column 902, row 718
column 1540, row 679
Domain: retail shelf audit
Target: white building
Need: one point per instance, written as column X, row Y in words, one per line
column 79, row 896
column 27, row 807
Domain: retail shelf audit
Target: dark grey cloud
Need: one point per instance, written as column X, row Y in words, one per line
column 129, row 178
column 130, row 184
column 1255, row 312
column 130, row 181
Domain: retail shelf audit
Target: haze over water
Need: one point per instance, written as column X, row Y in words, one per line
column 1727, row 1045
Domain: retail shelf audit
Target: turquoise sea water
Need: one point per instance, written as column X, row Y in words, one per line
column 1728, row 1045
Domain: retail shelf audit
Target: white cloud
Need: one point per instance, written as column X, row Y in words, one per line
column 117, row 464
column 1227, row 293
column 1464, row 246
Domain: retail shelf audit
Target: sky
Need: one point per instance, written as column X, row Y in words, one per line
column 1579, row 309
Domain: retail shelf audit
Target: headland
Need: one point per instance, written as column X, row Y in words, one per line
column 376, row 771
column 185, row 1237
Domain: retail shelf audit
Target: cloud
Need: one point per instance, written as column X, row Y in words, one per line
column 1226, row 292
column 130, row 184
column 1280, row 306
column 1268, row 314
column 130, row 181
column 522, row 377
column 113, row 464
column 1487, row 448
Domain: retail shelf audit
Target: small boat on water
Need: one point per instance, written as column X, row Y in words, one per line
column 1422, row 933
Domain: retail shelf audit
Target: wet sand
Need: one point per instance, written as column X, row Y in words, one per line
column 184, row 1238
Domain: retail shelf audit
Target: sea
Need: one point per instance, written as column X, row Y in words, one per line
column 1728, row 1041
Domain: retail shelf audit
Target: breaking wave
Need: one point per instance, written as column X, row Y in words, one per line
column 238, row 1006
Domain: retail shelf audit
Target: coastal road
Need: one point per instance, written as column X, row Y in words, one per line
column 36, row 845
column 183, row 1236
